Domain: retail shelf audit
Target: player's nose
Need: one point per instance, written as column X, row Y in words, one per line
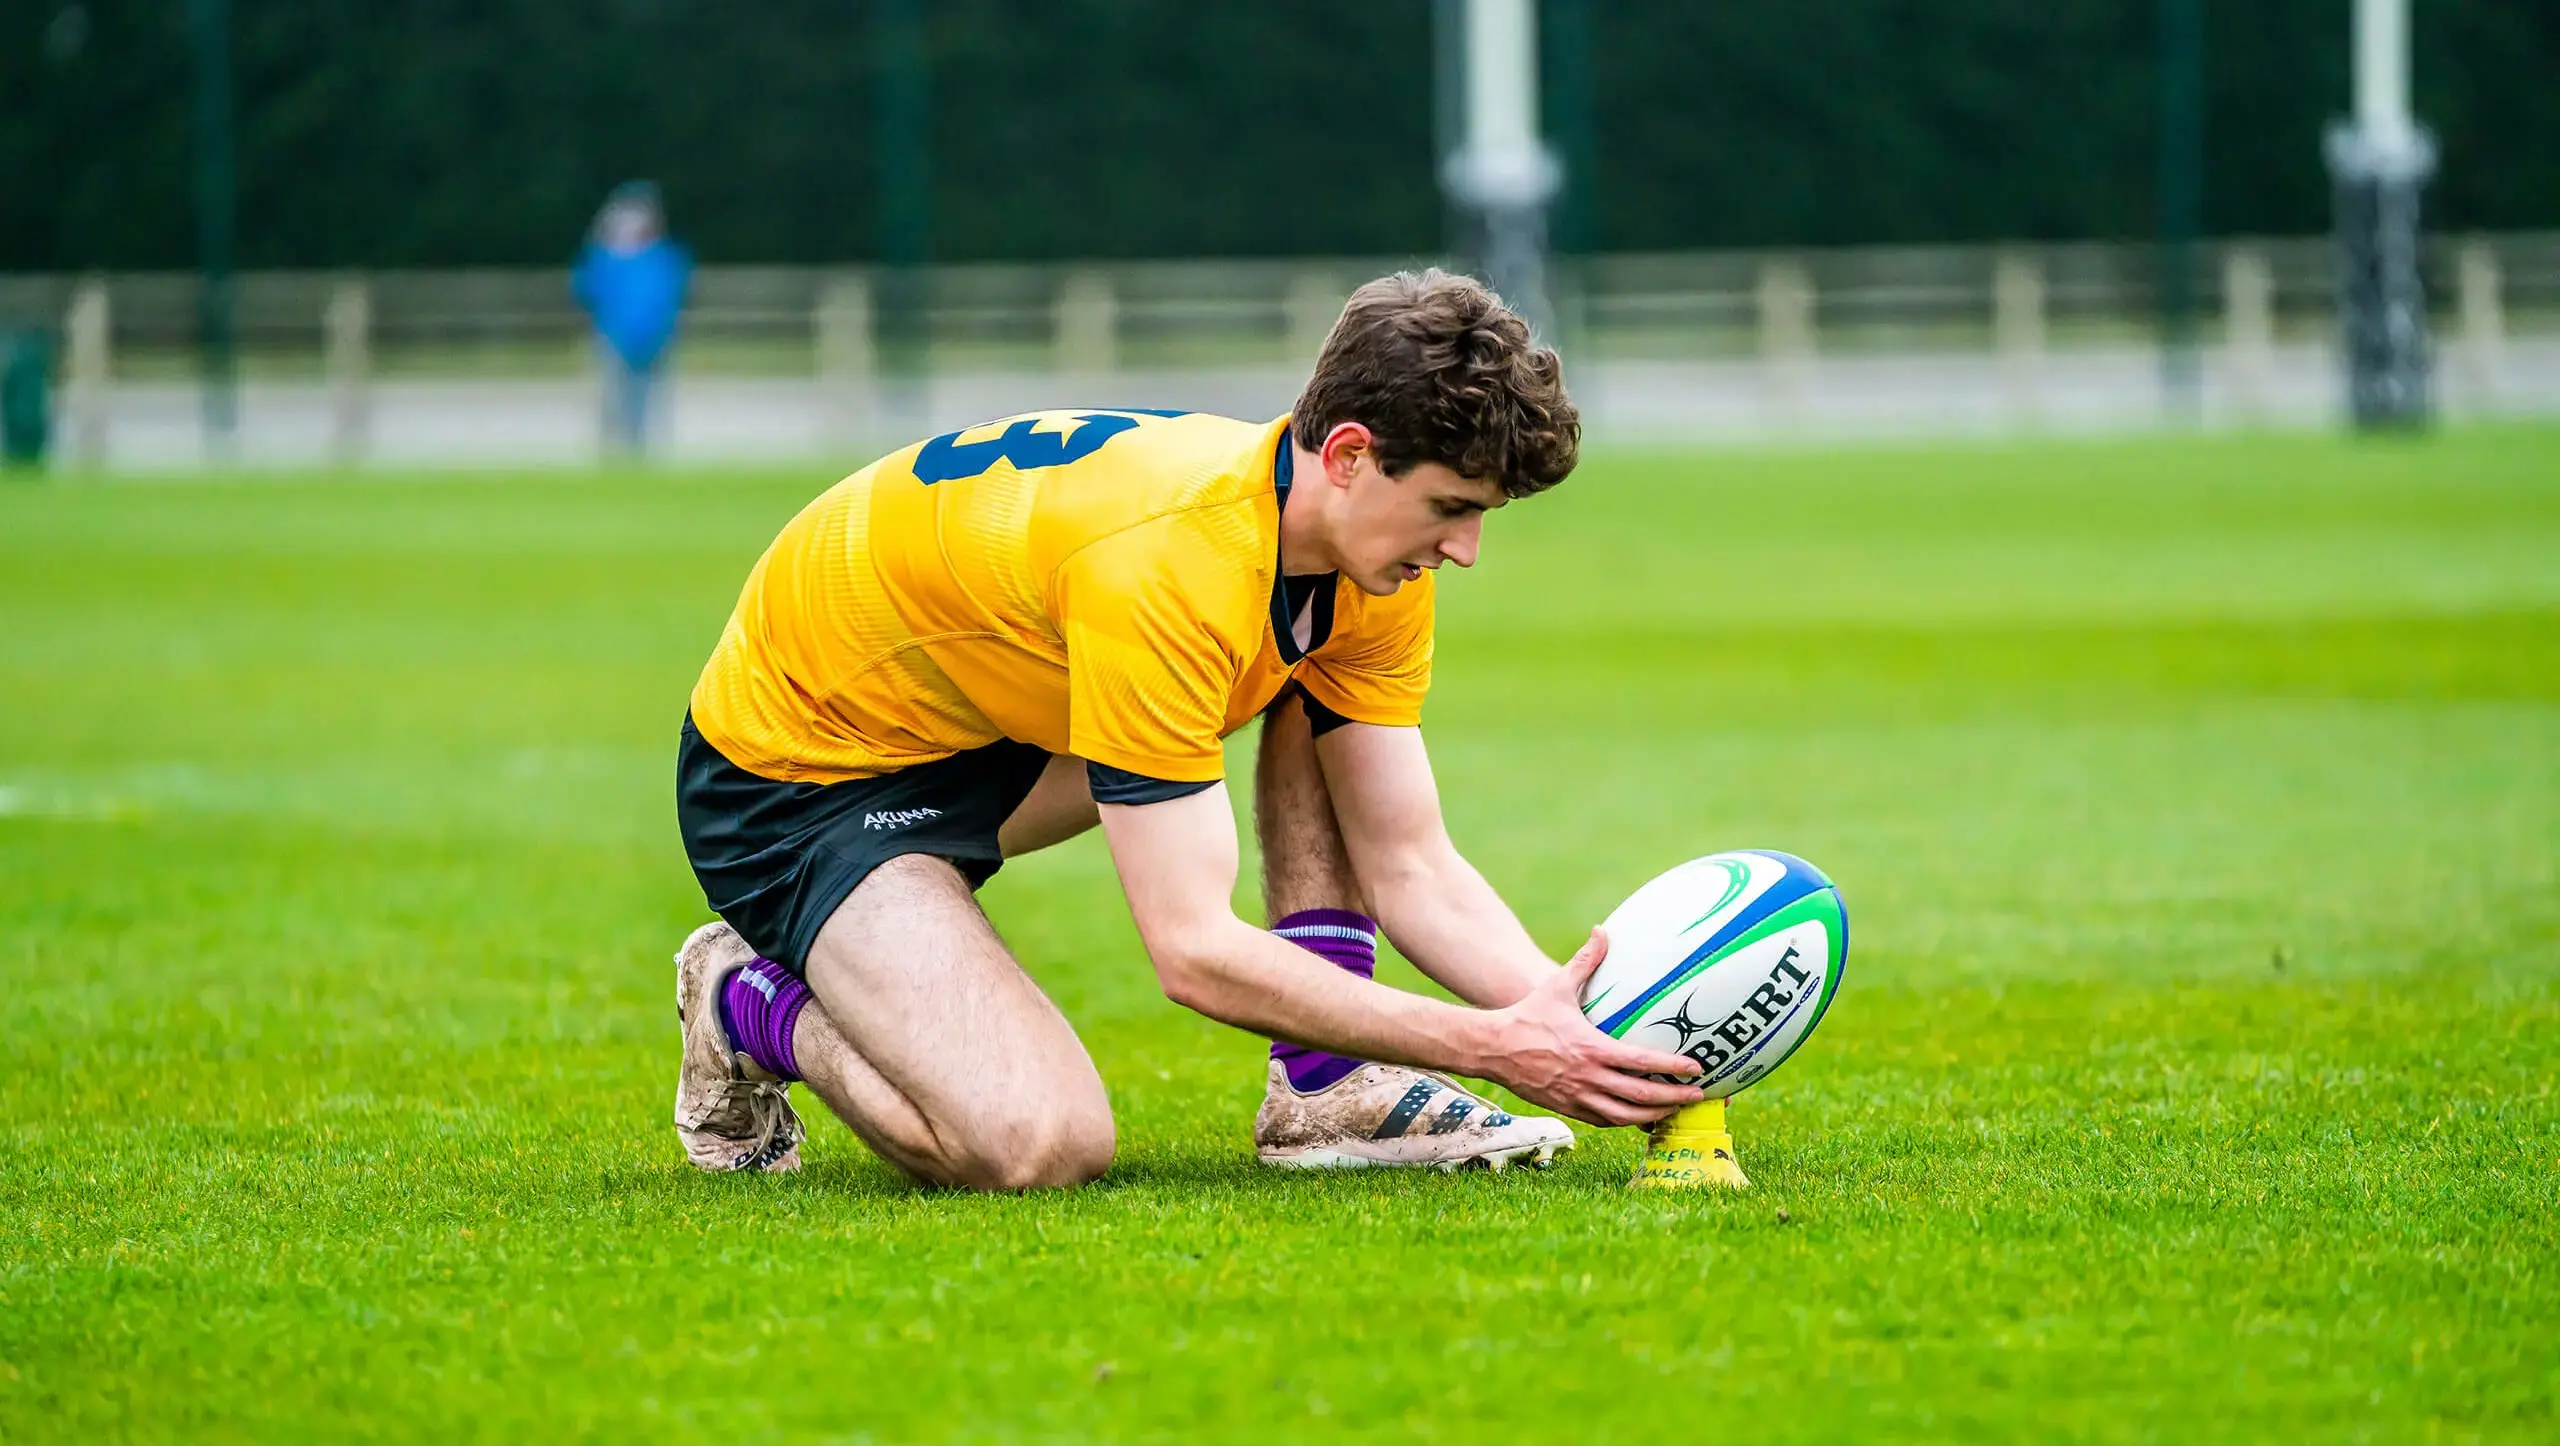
column 1460, row 546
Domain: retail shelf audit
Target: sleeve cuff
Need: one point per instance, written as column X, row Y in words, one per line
column 1119, row 785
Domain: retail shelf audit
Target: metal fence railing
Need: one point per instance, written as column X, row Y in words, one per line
column 1674, row 344
column 786, row 321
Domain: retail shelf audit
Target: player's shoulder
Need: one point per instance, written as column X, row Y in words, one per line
column 1176, row 459
column 1188, row 477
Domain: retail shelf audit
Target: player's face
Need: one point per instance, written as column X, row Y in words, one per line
column 1400, row 526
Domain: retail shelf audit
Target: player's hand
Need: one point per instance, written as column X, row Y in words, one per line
column 1546, row 1052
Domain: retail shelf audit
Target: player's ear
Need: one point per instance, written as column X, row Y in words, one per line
column 1345, row 448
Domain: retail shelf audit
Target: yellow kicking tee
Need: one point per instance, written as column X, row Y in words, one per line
column 1100, row 583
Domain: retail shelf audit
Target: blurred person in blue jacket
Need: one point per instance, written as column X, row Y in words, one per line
column 631, row 278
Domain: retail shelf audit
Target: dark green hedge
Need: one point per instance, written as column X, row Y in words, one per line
column 446, row 132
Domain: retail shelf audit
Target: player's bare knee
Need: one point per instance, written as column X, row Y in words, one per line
column 1072, row 1154
column 1047, row 1152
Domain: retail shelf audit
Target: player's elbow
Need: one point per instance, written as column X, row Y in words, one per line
column 1192, row 989
column 1408, row 873
column 1189, row 979
column 1190, row 967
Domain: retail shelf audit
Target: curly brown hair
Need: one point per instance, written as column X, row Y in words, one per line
column 1439, row 370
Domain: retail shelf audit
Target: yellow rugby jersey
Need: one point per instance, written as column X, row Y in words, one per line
column 1100, row 583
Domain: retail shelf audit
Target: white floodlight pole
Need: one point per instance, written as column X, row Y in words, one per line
column 2380, row 163
column 1502, row 93
column 1501, row 172
column 2382, row 74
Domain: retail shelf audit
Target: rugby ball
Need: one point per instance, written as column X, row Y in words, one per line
column 1730, row 959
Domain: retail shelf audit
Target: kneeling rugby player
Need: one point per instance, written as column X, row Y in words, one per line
column 996, row 639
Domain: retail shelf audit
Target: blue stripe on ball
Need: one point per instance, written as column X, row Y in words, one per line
column 1800, row 879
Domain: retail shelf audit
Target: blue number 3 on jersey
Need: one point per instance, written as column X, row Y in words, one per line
column 948, row 459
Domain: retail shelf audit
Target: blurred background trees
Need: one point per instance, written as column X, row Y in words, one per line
column 469, row 132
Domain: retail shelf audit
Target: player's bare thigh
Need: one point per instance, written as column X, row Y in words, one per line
column 1291, row 808
column 1305, row 864
column 947, row 1058
column 1059, row 807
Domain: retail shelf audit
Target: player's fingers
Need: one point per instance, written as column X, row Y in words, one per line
column 1603, row 1110
column 1587, row 958
column 1608, row 1110
column 1638, row 1090
column 1636, row 1059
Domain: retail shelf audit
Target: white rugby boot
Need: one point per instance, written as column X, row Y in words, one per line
column 731, row 1113
column 1387, row 1115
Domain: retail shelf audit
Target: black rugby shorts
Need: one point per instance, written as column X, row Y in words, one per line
column 775, row 859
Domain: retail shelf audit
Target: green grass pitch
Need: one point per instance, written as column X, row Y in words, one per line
column 2197, row 804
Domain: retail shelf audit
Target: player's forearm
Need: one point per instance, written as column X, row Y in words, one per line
column 1442, row 914
column 1240, row 975
column 1177, row 862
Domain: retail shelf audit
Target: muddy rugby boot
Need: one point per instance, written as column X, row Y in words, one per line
column 731, row 1113
column 1387, row 1115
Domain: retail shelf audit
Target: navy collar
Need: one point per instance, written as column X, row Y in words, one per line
column 1290, row 594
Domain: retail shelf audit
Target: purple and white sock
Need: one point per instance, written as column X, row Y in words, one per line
column 1348, row 940
column 759, row 1002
